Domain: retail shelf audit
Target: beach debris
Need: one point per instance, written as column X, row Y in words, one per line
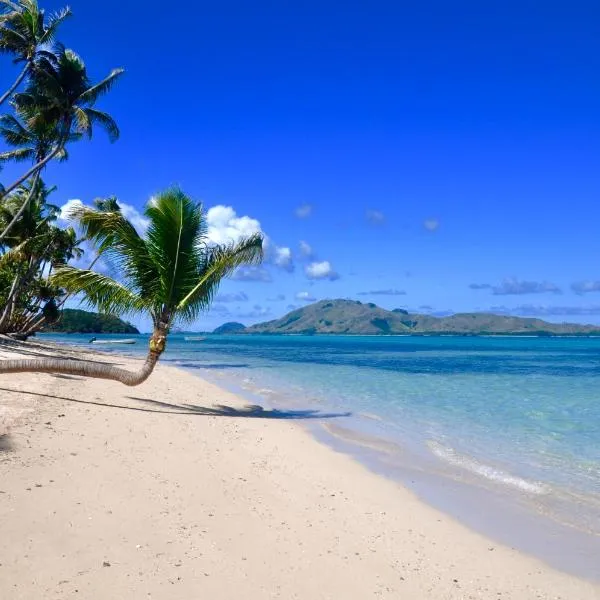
column 106, row 564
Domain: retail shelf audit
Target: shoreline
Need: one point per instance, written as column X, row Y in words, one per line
column 520, row 521
column 136, row 478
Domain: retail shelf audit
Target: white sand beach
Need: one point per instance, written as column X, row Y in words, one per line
column 152, row 492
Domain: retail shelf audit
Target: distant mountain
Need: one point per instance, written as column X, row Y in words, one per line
column 231, row 327
column 82, row 321
column 353, row 317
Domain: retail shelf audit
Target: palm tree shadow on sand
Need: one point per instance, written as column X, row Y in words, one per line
column 251, row 411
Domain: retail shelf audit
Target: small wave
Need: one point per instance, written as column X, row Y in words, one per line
column 372, row 416
column 265, row 392
column 493, row 474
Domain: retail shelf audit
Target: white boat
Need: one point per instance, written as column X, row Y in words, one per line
column 127, row 341
column 194, row 338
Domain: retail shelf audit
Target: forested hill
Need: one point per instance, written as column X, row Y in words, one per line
column 82, row 321
column 353, row 317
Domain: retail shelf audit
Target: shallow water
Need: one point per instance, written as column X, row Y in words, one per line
column 514, row 417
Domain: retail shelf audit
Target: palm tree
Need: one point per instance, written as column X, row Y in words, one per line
column 59, row 106
column 25, row 34
column 32, row 248
column 32, row 138
column 171, row 273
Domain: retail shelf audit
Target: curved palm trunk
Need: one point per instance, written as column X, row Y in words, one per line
column 15, row 85
column 91, row 369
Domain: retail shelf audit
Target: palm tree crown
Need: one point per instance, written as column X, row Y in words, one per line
column 61, row 92
column 171, row 272
column 24, row 30
column 26, row 35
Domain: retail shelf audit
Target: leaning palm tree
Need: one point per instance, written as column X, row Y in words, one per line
column 171, row 273
column 24, row 33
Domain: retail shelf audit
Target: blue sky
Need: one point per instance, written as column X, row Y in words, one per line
column 432, row 148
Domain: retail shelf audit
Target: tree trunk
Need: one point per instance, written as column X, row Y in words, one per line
column 6, row 311
column 92, row 369
column 15, row 85
column 6, row 320
column 35, row 169
column 32, row 324
column 22, row 207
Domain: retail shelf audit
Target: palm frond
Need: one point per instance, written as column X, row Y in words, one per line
column 9, row 5
column 119, row 242
column 100, row 291
column 83, row 124
column 12, row 41
column 13, row 131
column 15, row 253
column 174, row 224
column 91, row 95
column 106, row 121
column 17, row 155
column 220, row 262
column 54, row 22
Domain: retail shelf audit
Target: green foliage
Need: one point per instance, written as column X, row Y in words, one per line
column 24, row 31
column 51, row 104
column 170, row 273
column 34, row 247
column 60, row 92
column 231, row 327
column 81, row 321
column 349, row 317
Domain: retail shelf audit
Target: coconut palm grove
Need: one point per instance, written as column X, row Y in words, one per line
column 169, row 273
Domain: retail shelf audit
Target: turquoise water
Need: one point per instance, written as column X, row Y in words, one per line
column 517, row 415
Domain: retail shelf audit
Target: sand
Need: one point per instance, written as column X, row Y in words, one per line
column 109, row 492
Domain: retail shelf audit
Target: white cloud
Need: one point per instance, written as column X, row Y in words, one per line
column 132, row 214
column 135, row 217
column 431, row 224
column 305, row 297
column 67, row 208
column 306, row 250
column 226, row 227
column 304, row 211
column 233, row 297
column 585, row 287
column 277, row 298
column 283, row 259
column 257, row 311
column 252, row 274
column 321, row 270
column 220, row 309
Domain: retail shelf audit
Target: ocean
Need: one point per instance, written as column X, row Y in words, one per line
column 502, row 433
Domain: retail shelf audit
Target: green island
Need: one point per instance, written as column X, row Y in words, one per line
column 83, row 321
column 352, row 317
